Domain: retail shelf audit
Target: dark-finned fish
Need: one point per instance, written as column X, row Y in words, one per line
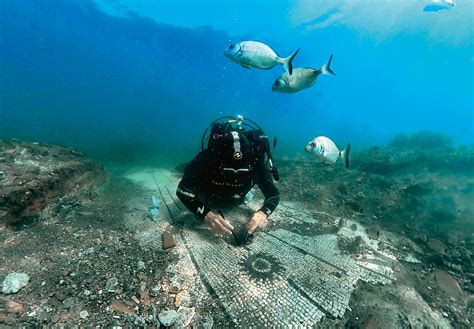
column 258, row 55
column 326, row 151
column 301, row 78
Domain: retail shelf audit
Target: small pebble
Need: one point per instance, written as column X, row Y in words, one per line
column 111, row 284
column 13, row 282
column 61, row 296
column 84, row 314
column 167, row 318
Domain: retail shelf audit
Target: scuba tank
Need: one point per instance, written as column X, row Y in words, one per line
column 224, row 126
column 273, row 168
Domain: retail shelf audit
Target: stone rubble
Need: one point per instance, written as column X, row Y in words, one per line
column 332, row 256
column 168, row 318
column 13, row 282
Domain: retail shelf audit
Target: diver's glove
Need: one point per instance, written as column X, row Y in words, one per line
column 259, row 219
column 218, row 224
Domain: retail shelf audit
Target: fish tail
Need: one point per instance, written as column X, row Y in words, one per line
column 344, row 155
column 326, row 68
column 287, row 62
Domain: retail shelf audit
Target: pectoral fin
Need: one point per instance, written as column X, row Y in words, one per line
column 246, row 66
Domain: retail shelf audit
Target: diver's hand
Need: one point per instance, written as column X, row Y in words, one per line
column 217, row 223
column 259, row 219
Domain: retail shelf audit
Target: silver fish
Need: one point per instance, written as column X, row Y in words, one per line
column 438, row 5
column 301, row 78
column 258, row 55
column 326, row 151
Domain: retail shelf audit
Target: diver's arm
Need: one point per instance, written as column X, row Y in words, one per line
column 189, row 191
column 269, row 190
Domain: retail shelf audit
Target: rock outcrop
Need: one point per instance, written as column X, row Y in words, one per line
column 33, row 175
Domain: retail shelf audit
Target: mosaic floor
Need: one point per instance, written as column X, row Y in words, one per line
column 282, row 278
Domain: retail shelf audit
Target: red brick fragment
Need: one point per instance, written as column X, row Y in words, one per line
column 168, row 240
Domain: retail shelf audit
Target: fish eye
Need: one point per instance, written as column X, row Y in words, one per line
column 231, row 47
column 313, row 144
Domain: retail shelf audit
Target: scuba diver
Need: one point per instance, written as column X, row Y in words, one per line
column 236, row 158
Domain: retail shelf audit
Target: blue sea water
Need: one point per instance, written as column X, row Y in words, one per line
column 129, row 79
column 134, row 84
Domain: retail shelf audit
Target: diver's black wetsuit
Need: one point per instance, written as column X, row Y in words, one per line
column 209, row 183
